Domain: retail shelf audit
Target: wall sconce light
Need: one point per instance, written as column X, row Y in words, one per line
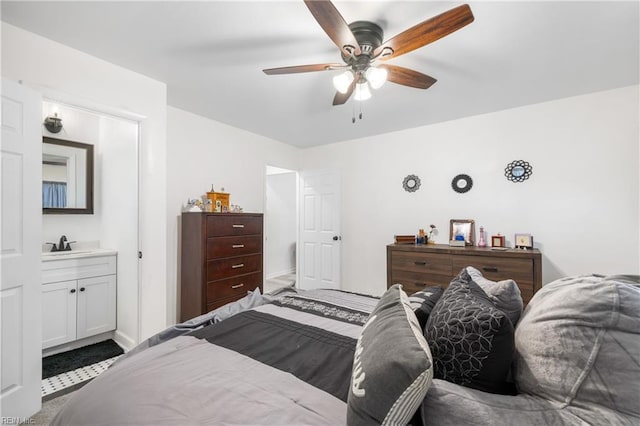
column 53, row 123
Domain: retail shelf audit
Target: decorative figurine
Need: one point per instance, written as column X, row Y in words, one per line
column 482, row 242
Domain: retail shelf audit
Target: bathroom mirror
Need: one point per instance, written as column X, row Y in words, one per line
column 67, row 177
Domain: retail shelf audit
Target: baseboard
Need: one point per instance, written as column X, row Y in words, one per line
column 124, row 341
column 78, row 344
column 278, row 274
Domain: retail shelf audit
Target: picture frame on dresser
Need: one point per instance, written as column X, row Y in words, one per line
column 464, row 227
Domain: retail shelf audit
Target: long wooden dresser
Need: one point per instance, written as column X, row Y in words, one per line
column 415, row 266
column 221, row 259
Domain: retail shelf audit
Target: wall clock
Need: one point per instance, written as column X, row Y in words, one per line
column 411, row 183
column 518, row 171
column 462, row 183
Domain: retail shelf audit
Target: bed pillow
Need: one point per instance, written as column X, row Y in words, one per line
column 423, row 301
column 471, row 340
column 392, row 367
column 504, row 294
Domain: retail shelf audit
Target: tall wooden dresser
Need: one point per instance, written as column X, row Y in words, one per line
column 221, row 259
column 415, row 266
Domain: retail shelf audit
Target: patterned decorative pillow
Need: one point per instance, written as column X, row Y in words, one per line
column 392, row 367
column 504, row 294
column 423, row 301
column 471, row 340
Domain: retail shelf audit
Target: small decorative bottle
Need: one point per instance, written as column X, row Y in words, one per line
column 482, row 242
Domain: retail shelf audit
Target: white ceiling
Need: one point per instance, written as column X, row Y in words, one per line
column 211, row 55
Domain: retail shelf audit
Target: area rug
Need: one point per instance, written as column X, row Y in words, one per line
column 81, row 357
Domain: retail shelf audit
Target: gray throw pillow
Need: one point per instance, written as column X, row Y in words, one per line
column 392, row 367
column 504, row 294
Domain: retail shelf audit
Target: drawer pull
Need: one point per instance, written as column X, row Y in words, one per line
column 490, row 268
column 237, row 246
column 238, row 225
column 239, row 265
column 238, row 285
column 420, row 262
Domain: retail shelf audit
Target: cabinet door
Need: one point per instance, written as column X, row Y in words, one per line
column 96, row 305
column 58, row 313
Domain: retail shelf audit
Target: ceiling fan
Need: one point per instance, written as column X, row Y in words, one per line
column 364, row 52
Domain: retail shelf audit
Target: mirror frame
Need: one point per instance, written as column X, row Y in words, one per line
column 89, row 178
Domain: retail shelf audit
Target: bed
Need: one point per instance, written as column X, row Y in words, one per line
column 281, row 359
column 328, row 357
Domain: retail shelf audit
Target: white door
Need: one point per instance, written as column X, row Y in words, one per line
column 96, row 305
column 319, row 259
column 20, row 248
column 58, row 313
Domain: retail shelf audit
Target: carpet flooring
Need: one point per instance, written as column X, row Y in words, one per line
column 81, row 357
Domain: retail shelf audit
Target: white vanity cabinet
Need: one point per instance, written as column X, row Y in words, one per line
column 78, row 296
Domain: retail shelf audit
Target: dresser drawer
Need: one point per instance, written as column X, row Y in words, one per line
column 501, row 268
column 497, row 268
column 233, row 246
column 232, row 286
column 224, row 268
column 416, row 281
column 422, row 263
column 220, row 226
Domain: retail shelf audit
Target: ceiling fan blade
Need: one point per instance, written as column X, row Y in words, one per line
column 334, row 25
column 341, row 98
column 426, row 32
column 303, row 68
column 408, row 77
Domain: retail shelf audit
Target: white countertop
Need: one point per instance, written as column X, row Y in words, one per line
column 75, row 254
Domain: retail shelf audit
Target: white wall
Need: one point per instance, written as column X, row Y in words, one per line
column 281, row 220
column 581, row 204
column 203, row 152
column 64, row 74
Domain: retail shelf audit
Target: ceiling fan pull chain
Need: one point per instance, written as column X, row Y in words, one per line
column 360, row 116
column 353, row 113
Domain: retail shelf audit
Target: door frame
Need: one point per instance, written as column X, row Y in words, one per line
column 81, row 104
column 296, row 215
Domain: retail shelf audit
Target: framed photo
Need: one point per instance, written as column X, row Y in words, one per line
column 497, row 241
column 462, row 229
column 523, row 241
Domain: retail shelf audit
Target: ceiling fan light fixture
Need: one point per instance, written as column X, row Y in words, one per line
column 376, row 76
column 343, row 81
column 362, row 91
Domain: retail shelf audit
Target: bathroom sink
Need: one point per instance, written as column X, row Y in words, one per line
column 66, row 253
column 50, row 255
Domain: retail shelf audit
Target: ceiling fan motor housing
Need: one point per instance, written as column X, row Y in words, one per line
column 369, row 36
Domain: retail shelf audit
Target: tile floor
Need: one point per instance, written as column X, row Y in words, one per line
column 55, row 385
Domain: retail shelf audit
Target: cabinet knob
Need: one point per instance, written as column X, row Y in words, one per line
column 73, row 290
column 81, row 288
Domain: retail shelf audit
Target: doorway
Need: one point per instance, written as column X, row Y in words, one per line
column 114, row 223
column 281, row 228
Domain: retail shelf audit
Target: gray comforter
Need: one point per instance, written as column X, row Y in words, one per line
column 283, row 362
